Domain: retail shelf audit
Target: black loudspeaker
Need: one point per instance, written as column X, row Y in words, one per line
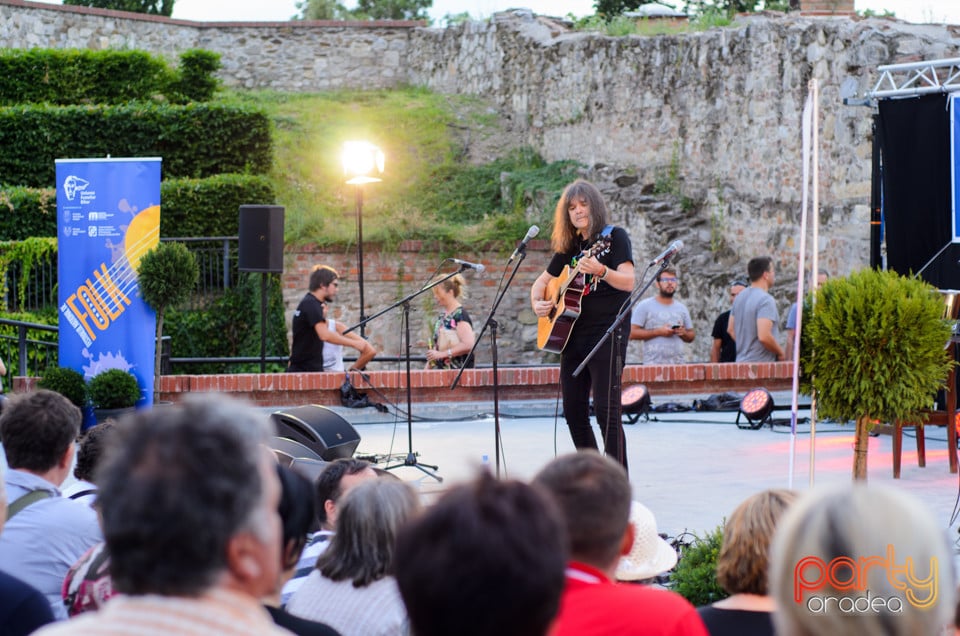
column 319, row 429
column 288, row 450
column 261, row 238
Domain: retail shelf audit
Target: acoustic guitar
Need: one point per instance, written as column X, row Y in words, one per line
column 565, row 292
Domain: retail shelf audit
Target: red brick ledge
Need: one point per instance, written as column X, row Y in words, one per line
column 516, row 383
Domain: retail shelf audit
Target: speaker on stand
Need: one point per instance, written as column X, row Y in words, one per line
column 261, row 250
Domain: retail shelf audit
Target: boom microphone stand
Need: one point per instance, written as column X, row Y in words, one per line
column 404, row 303
column 492, row 323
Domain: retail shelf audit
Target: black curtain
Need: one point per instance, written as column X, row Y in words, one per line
column 914, row 137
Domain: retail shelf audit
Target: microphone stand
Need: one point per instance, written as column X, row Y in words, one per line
column 628, row 304
column 411, row 458
column 491, row 322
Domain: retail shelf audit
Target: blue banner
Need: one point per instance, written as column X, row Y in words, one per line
column 955, row 164
column 108, row 217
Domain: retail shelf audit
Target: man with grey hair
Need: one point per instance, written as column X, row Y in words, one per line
column 189, row 498
column 45, row 532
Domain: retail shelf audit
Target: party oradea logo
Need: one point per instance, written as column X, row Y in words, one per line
column 843, row 584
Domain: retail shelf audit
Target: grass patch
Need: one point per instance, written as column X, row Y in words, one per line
column 429, row 190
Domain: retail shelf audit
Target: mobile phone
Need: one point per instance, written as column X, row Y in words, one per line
column 675, row 327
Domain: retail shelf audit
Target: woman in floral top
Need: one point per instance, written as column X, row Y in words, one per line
column 452, row 337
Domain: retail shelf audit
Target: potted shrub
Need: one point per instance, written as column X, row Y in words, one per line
column 873, row 349
column 113, row 392
column 166, row 275
column 695, row 577
column 67, row 382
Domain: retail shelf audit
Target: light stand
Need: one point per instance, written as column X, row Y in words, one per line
column 360, row 160
column 411, row 458
column 359, row 187
column 492, row 323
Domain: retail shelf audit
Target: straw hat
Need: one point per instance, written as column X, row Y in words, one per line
column 650, row 554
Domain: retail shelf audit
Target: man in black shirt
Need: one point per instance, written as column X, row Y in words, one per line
column 310, row 329
column 724, row 347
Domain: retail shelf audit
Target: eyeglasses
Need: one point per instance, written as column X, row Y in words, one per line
column 668, row 279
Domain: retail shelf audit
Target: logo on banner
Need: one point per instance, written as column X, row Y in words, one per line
column 73, row 184
column 842, row 584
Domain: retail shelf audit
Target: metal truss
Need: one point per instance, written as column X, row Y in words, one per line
column 917, row 78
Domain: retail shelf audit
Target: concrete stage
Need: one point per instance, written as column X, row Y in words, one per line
column 691, row 469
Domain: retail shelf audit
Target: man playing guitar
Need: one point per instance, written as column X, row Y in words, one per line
column 580, row 220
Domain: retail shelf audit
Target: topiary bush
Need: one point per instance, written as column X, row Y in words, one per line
column 113, row 389
column 695, row 577
column 873, row 349
column 195, row 80
column 67, row 382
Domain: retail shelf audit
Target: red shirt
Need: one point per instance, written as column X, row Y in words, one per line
column 593, row 605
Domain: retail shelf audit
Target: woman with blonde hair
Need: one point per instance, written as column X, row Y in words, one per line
column 742, row 567
column 452, row 337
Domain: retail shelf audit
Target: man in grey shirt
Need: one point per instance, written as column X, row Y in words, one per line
column 662, row 323
column 753, row 319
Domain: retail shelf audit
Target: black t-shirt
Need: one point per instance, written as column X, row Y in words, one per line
column 601, row 303
column 732, row 622
column 728, row 346
column 306, row 353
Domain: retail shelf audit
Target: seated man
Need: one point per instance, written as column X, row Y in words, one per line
column 189, row 500
column 45, row 532
column 593, row 493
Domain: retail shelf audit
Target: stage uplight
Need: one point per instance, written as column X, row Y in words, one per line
column 756, row 406
column 635, row 401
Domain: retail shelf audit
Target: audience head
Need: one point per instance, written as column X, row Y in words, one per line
column 487, row 558
column 92, row 444
column 758, row 266
column 369, row 518
column 593, row 494
column 456, row 285
column 882, row 541
column 322, row 276
column 336, row 479
column 745, row 553
column 38, row 431
column 296, row 515
column 189, row 497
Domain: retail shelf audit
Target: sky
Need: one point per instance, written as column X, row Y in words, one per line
column 921, row 11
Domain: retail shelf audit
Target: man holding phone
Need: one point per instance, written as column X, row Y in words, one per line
column 662, row 323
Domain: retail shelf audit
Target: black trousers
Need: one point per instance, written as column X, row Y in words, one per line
column 602, row 377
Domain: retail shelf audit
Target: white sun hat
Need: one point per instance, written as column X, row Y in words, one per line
column 650, row 554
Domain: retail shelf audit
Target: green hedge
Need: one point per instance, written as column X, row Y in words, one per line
column 190, row 207
column 210, row 207
column 229, row 326
column 27, row 212
column 196, row 140
column 72, row 76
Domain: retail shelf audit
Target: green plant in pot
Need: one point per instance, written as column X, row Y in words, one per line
column 113, row 392
column 67, row 382
column 167, row 275
column 873, row 349
column 695, row 577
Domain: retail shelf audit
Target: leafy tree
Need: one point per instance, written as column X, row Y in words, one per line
column 153, row 7
column 392, row 9
column 873, row 350
column 611, row 8
column 322, row 10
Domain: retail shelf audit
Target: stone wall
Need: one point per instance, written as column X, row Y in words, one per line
column 711, row 118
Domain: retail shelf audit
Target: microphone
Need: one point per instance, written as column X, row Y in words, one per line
column 479, row 267
column 670, row 252
column 533, row 231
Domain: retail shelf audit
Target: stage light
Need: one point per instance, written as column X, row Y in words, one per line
column 756, row 406
column 635, row 401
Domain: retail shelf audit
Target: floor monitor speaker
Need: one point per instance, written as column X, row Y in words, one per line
column 318, row 428
column 261, row 238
